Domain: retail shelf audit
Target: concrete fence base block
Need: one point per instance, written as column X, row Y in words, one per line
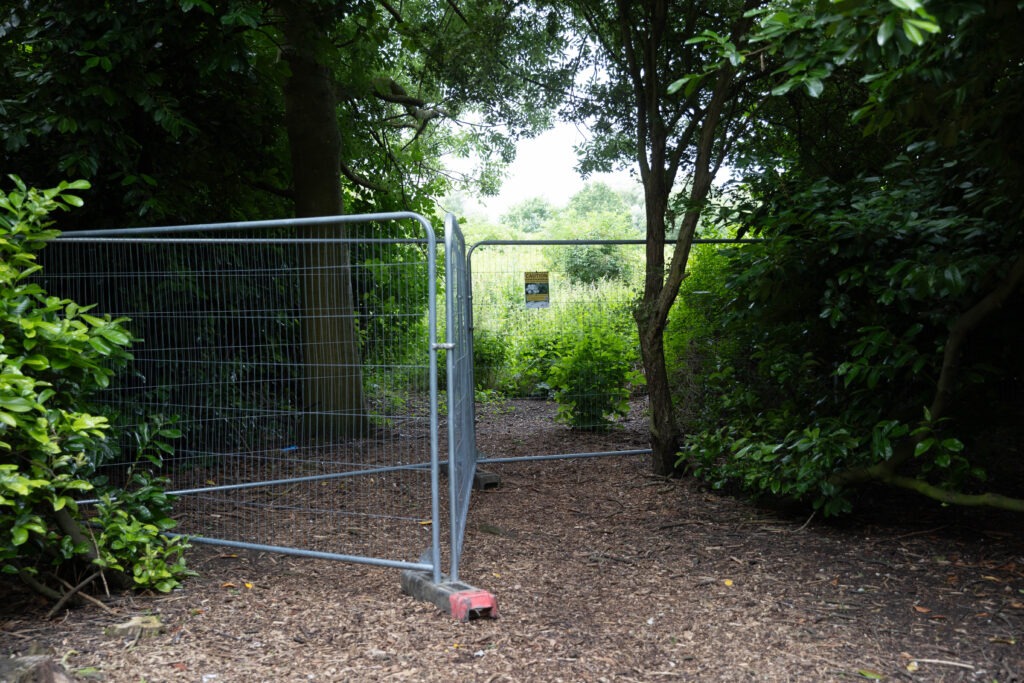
column 483, row 480
column 463, row 602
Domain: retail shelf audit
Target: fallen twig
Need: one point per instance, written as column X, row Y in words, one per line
column 77, row 590
column 944, row 662
column 814, row 512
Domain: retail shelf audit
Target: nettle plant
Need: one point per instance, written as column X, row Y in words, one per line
column 55, row 354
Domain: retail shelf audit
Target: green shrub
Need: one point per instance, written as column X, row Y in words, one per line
column 54, row 355
column 530, row 364
column 489, row 355
column 591, row 379
column 590, row 264
column 837, row 326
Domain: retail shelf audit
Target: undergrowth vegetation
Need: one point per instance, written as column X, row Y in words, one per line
column 836, row 354
column 56, row 355
column 581, row 351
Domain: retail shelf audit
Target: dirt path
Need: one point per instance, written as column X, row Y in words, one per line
column 602, row 573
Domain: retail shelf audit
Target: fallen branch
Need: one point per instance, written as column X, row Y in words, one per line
column 72, row 593
column 86, row 596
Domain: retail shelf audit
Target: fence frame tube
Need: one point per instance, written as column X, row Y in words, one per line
column 150, row 234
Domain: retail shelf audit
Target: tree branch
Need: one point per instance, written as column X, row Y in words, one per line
column 455, row 8
column 885, row 471
column 38, row 586
column 72, row 592
column 391, row 10
column 285, row 193
column 963, row 326
column 360, row 180
column 940, row 494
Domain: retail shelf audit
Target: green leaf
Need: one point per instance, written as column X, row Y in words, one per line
column 924, row 25
column 783, row 88
column 676, row 86
column 19, row 535
column 37, row 362
column 953, row 445
column 886, row 30
column 115, row 335
column 101, row 345
column 907, row 5
column 913, row 33
column 16, row 404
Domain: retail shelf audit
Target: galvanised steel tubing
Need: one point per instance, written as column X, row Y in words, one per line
column 379, row 470
column 564, row 456
column 431, row 242
column 582, row 242
column 290, row 480
column 74, row 237
column 450, row 332
column 274, row 223
column 296, row 480
column 358, row 559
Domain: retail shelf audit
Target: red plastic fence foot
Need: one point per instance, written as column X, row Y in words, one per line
column 462, row 601
column 471, row 603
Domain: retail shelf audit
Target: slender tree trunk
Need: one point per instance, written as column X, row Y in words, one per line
column 651, row 325
column 664, row 429
column 332, row 384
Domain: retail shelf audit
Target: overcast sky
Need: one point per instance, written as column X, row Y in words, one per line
column 545, row 167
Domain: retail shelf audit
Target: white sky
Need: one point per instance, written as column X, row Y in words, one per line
column 545, row 167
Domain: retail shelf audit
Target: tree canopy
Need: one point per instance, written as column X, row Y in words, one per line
column 176, row 110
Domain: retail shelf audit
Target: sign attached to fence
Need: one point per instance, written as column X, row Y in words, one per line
column 537, row 290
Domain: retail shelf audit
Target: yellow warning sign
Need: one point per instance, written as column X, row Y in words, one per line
column 537, row 295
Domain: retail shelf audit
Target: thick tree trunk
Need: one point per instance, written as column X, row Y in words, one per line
column 333, row 383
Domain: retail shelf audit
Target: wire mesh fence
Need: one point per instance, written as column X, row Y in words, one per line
column 461, row 395
column 299, row 361
column 553, row 321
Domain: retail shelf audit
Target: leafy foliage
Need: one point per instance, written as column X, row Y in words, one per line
column 592, row 378
column 842, row 318
column 55, row 354
column 596, row 212
column 174, row 109
column 529, row 216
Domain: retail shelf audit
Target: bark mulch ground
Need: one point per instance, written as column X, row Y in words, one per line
column 602, row 573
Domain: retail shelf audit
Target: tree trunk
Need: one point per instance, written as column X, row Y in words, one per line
column 651, row 323
column 664, row 429
column 333, row 383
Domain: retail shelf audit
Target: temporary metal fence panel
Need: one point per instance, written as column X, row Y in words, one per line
column 461, row 423
column 536, row 303
column 299, row 359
